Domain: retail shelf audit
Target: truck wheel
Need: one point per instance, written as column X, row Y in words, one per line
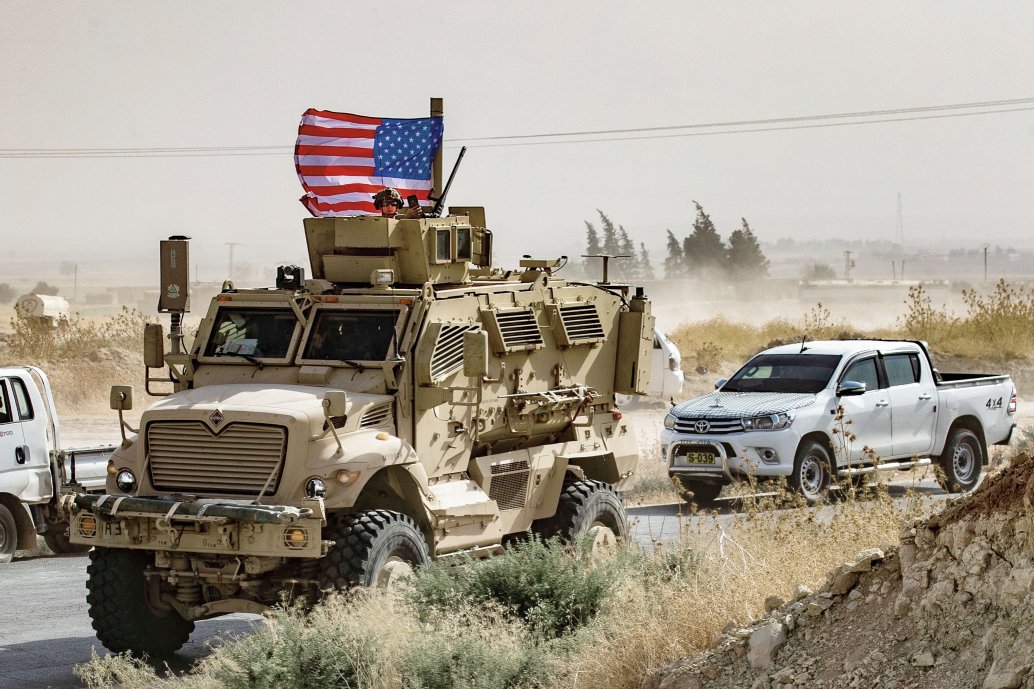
column 8, row 535
column 810, row 477
column 699, row 493
column 586, row 507
column 121, row 615
column 960, row 462
column 56, row 538
column 375, row 548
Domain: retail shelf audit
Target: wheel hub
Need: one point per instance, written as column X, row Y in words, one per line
column 394, row 574
column 963, row 461
column 811, row 476
column 604, row 540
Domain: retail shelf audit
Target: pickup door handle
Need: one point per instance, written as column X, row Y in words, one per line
column 21, row 454
column 926, row 396
column 882, row 403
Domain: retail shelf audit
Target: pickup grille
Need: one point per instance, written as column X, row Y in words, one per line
column 715, row 426
column 185, row 456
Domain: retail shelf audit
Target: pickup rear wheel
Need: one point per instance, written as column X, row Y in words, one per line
column 119, row 607
column 8, row 535
column 810, row 477
column 699, row 493
column 56, row 537
column 375, row 548
column 961, row 461
column 586, row 507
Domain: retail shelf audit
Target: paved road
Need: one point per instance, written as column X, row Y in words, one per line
column 45, row 629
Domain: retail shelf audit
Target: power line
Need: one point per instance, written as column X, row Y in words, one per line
column 550, row 138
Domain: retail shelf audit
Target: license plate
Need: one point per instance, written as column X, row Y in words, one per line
column 698, row 457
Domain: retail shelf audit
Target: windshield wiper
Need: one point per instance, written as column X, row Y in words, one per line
column 354, row 364
column 247, row 357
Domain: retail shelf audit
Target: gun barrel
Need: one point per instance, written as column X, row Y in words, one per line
column 440, row 201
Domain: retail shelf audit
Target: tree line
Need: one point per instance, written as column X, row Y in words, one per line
column 703, row 253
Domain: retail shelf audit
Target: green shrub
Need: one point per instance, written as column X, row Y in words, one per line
column 552, row 588
column 471, row 662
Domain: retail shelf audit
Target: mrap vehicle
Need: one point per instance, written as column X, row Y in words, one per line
column 406, row 403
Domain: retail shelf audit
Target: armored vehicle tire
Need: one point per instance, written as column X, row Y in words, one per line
column 960, row 462
column 699, row 493
column 810, row 478
column 8, row 535
column 121, row 615
column 586, row 507
column 56, row 537
column 375, row 548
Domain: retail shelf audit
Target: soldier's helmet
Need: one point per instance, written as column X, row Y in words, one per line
column 387, row 195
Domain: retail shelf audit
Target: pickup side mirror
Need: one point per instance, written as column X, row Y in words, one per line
column 720, row 382
column 154, row 346
column 121, row 397
column 850, row 388
column 475, row 354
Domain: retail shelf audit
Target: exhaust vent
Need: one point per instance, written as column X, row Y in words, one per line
column 512, row 330
column 579, row 323
column 509, row 484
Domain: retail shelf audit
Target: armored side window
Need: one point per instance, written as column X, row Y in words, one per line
column 464, row 246
column 443, row 246
column 576, row 323
column 512, row 329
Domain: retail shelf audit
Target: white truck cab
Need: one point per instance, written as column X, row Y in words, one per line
column 34, row 473
column 823, row 411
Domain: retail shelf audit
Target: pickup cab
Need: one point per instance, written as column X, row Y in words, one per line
column 38, row 480
column 823, row 412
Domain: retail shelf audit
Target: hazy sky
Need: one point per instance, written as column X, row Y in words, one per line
column 85, row 75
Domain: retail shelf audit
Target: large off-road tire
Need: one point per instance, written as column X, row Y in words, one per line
column 961, row 461
column 375, row 548
column 699, row 493
column 56, row 538
column 811, row 472
column 8, row 535
column 586, row 507
column 121, row 615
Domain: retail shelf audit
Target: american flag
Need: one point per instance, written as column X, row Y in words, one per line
column 343, row 160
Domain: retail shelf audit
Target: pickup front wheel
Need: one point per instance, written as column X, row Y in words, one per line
column 810, row 477
column 8, row 535
column 960, row 462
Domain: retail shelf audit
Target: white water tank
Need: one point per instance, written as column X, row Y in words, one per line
column 42, row 306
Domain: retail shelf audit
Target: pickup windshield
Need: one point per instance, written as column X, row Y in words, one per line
column 252, row 333
column 805, row 373
column 359, row 335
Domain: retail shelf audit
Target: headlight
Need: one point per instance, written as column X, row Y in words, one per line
column 315, row 488
column 669, row 421
column 770, row 422
column 125, row 481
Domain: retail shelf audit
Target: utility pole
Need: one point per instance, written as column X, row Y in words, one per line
column 985, row 262
column 229, row 268
column 848, row 265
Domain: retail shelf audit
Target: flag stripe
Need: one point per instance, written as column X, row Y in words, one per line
column 333, row 151
column 354, row 132
column 343, row 117
column 305, row 140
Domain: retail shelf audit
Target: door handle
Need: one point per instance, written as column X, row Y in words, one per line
column 21, row 454
column 882, row 403
column 926, row 396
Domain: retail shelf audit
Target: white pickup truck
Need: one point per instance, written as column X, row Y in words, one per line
column 37, row 479
column 821, row 412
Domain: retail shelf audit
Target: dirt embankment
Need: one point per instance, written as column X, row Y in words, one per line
column 951, row 607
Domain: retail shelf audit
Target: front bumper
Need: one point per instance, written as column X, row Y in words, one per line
column 198, row 526
column 735, row 455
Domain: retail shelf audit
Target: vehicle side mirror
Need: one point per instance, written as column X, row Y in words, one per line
column 850, row 388
column 720, row 382
column 475, row 354
column 154, row 346
column 335, row 403
column 121, row 397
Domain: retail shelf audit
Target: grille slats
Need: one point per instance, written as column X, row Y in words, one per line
column 519, row 328
column 380, row 416
column 448, row 350
column 715, row 425
column 186, row 456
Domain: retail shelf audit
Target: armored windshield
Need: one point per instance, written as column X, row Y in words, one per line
column 256, row 333
column 359, row 335
column 807, row 373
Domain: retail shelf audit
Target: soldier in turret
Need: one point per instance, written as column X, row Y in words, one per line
column 388, row 201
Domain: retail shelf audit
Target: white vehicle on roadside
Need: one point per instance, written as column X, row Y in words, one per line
column 666, row 376
column 821, row 412
column 37, row 479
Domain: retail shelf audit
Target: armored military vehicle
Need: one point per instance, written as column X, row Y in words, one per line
column 408, row 402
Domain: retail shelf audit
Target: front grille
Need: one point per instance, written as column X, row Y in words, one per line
column 715, row 426
column 185, row 456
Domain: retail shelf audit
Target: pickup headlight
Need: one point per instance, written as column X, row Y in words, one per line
column 669, row 422
column 769, row 422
